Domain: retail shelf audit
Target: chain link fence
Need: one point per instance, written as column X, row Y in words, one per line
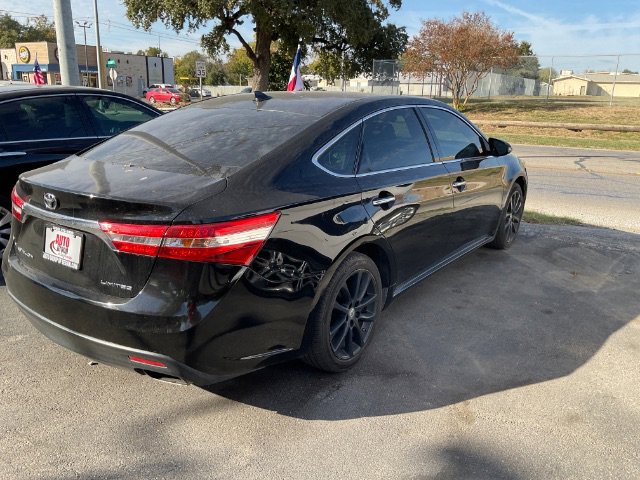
column 603, row 76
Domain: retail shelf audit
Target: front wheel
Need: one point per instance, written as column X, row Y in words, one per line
column 172, row 101
column 510, row 220
column 342, row 323
column 152, row 100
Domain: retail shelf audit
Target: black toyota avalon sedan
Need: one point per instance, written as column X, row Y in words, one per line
column 244, row 231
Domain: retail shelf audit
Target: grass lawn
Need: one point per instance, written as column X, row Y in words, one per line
column 624, row 111
column 543, row 218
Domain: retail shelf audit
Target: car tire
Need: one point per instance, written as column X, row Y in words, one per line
column 509, row 220
column 152, row 100
column 341, row 325
column 5, row 228
column 172, row 101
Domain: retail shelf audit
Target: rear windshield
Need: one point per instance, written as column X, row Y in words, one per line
column 205, row 140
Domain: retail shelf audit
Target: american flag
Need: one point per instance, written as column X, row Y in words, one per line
column 38, row 77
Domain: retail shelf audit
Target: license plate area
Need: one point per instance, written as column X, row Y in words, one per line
column 63, row 246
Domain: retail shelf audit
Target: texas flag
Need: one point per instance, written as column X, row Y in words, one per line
column 38, row 77
column 295, row 79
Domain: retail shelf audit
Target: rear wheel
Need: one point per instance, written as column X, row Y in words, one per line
column 5, row 228
column 510, row 220
column 152, row 100
column 173, row 101
column 343, row 321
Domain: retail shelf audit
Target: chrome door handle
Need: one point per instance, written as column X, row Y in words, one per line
column 460, row 184
column 12, row 154
column 383, row 200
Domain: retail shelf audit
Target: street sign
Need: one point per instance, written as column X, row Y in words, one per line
column 111, row 63
column 113, row 73
column 201, row 69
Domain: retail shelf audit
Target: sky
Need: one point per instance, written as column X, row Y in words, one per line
column 561, row 29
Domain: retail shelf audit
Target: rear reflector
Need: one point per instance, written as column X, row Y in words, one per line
column 236, row 242
column 145, row 361
column 17, row 203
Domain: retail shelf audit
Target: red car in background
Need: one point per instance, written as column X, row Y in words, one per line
column 165, row 94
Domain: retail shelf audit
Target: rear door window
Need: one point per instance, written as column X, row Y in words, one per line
column 43, row 118
column 340, row 156
column 113, row 115
column 392, row 140
column 456, row 139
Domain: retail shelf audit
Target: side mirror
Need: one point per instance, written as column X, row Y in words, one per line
column 499, row 148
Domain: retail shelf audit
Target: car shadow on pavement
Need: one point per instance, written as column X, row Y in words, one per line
column 490, row 322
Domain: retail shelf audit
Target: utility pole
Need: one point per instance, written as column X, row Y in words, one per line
column 98, row 58
column 69, row 73
column 84, row 25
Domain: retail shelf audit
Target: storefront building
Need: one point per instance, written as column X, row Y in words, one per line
column 133, row 73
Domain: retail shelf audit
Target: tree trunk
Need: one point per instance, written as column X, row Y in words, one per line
column 262, row 63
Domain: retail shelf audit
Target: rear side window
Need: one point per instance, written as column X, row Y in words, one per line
column 42, row 118
column 340, row 157
column 393, row 139
column 113, row 115
column 455, row 138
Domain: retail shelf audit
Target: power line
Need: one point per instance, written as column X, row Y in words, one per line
column 109, row 24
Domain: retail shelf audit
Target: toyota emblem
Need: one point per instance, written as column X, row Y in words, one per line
column 50, row 201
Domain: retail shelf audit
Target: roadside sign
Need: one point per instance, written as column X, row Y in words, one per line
column 111, row 63
column 113, row 73
column 201, row 69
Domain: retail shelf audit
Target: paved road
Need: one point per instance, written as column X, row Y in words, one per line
column 517, row 364
column 598, row 187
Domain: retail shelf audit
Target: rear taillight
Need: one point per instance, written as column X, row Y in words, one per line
column 17, row 203
column 236, row 242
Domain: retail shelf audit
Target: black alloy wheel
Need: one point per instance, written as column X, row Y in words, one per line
column 511, row 219
column 352, row 315
column 343, row 321
column 5, row 228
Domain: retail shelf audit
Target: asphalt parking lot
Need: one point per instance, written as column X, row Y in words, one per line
column 517, row 364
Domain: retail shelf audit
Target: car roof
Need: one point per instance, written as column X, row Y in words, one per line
column 314, row 104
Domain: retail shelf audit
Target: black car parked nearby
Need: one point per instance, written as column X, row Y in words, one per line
column 40, row 125
column 235, row 233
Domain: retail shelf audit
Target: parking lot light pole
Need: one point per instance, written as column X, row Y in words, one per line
column 84, row 25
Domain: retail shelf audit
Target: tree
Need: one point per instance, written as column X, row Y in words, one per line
column 328, row 66
column 185, row 69
column 355, row 26
column 528, row 64
column 37, row 29
column 462, row 50
column 280, row 70
column 10, row 31
column 626, row 70
column 238, row 67
column 546, row 74
column 153, row 52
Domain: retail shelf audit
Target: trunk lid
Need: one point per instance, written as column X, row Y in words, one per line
column 66, row 200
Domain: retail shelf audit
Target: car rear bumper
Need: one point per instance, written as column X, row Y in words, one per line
column 118, row 355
